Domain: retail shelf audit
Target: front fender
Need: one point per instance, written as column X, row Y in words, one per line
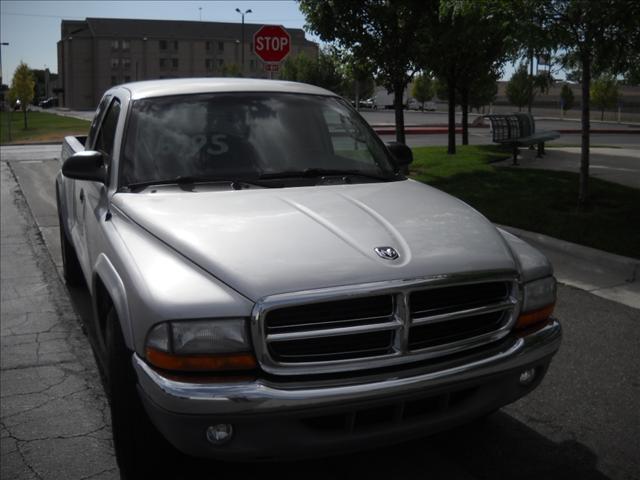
column 104, row 270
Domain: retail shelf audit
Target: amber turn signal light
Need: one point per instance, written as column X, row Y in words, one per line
column 536, row 316
column 200, row 363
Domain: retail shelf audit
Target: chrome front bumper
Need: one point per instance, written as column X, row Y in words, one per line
column 261, row 397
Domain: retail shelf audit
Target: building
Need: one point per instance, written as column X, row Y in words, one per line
column 97, row 53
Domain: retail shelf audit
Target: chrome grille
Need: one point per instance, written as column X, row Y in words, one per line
column 340, row 329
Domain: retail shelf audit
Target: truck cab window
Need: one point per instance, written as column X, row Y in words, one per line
column 107, row 132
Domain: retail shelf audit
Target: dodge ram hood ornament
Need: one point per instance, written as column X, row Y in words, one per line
column 388, row 253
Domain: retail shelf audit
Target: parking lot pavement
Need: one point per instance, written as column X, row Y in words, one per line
column 54, row 420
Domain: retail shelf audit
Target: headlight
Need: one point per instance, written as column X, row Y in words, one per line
column 200, row 345
column 538, row 302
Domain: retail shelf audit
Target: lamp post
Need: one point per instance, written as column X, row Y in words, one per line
column 2, row 94
column 3, row 44
column 242, row 46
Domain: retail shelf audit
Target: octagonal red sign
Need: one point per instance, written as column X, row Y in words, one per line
column 272, row 43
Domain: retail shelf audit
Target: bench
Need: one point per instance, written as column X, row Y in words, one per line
column 518, row 130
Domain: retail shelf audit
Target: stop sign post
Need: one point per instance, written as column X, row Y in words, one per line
column 272, row 43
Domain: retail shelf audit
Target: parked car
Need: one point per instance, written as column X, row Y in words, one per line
column 413, row 104
column 267, row 283
column 49, row 102
column 368, row 103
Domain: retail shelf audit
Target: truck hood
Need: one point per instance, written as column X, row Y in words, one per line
column 268, row 241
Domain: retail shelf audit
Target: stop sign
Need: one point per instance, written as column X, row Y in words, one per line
column 272, row 43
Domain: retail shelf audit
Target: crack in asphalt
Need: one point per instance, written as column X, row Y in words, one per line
column 44, row 348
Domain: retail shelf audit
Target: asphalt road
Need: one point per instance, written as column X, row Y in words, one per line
column 582, row 422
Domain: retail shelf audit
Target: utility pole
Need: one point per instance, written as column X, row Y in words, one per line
column 242, row 45
column 2, row 95
column 200, row 12
column 2, row 44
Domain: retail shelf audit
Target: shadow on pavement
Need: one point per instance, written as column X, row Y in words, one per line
column 497, row 447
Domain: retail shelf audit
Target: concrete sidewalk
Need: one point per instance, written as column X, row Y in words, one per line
column 617, row 165
column 604, row 274
column 54, row 418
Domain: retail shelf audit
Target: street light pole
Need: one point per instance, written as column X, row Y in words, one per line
column 2, row 95
column 3, row 44
column 242, row 46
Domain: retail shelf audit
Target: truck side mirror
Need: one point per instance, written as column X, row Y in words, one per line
column 402, row 154
column 86, row 165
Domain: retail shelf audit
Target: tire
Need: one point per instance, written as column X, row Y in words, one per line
column 141, row 452
column 70, row 264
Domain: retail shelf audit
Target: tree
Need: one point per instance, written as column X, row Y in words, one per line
column 480, row 92
column 377, row 32
column 566, row 95
column 518, row 89
column 522, row 87
column 323, row 72
column 422, row 89
column 22, row 88
column 604, row 93
column 471, row 40
column 595, row 36
column 484, row 90
column 231, row 70
column 358, row 76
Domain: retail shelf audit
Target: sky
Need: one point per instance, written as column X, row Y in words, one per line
column 32, row 28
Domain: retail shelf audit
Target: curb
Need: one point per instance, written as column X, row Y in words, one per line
column 22, row 144
column 439, row 130
column 606, row 275
column 587, row 254
column 600, row 130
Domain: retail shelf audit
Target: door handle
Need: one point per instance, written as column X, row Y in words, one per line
column 82, row 195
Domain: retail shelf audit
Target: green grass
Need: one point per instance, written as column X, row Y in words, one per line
column 41, row 127
column 537, row 200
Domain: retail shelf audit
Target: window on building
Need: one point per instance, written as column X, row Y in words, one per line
column 221, row 62
column 174, row 63
column 126, row 44
column 114, row 80
column 162, row 63
column 127, row 78
column 115, row 44
column 208, row 64
column 207, row 46
column 221, row 46
column 163, row 44
column 115, row 62
column 126, row 63
column 175, row 45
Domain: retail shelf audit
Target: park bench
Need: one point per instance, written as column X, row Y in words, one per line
column 518, row 130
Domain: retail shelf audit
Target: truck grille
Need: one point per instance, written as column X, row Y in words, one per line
column 397, row 326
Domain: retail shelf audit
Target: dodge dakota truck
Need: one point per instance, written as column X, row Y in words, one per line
column 267, row 283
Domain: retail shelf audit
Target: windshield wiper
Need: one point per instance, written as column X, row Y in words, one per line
column 192, row 180
column 321, row 172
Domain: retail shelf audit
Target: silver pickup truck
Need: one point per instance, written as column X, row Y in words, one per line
column 267, row 283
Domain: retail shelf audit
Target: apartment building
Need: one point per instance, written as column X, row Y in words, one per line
column 97, row 53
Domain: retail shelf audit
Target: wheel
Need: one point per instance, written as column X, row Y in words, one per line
column 70, row 264
column 141, row 452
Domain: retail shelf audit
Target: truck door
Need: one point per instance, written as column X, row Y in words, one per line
column 92, row 196
column 74, row 200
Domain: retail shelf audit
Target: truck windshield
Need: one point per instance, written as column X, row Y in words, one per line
column 248, row 136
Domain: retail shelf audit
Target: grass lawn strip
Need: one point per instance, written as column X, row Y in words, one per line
column 41, row 127
column 541, row 201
